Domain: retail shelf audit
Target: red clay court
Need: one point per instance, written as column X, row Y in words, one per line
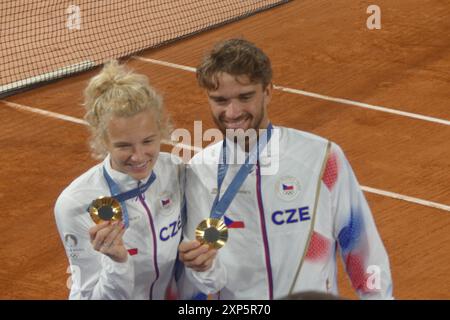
column 382, row 95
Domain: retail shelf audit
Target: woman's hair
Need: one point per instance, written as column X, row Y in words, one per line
column 118, row 92
column 237, row 57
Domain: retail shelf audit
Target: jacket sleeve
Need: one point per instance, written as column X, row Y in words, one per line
column 195, row 283
column 93, row 274
column 362, row 250
column 206, row 282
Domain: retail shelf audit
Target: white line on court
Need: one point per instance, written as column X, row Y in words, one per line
column 44, row 112
column 166, row 64
column 367, row 189
column 406, row 198
column 317, row 96
column 80, row 121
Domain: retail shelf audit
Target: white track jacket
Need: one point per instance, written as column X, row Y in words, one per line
column 299, row 205
column 152, row 238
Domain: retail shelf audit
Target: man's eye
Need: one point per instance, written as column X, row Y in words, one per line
column 220, row 101
column 148, row 141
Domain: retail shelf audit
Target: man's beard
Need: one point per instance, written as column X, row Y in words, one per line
column 245, row 142
column 257, row 124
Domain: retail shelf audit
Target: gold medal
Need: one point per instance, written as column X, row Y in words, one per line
column 212, row 232
column 105, row 209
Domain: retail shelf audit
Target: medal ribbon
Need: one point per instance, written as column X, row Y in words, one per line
column 221, row 205
column 122, row 197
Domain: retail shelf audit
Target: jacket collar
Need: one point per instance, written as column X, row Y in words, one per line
column 122, row 179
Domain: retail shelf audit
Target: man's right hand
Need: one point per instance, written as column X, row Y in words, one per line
column 196, row 256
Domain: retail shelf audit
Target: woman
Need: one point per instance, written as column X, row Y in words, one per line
column 131, row 258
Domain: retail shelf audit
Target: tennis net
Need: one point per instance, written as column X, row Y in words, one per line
column 42, row 40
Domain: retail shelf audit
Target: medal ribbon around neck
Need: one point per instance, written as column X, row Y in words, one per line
column 213, row 231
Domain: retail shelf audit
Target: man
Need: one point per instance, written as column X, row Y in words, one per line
column 287, row 212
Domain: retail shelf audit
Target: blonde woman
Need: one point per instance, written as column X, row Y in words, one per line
column 133, row 258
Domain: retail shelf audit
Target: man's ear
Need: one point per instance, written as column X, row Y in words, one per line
column 268, row 91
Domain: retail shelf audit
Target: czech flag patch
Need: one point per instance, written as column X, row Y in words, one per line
column 233, row 224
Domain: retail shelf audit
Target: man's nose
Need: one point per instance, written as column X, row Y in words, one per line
column 233, row 110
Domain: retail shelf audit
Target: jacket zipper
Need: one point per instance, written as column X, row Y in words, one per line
column 264, row 230
column 155, row 251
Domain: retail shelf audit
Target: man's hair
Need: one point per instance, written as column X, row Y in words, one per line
column 237, row 57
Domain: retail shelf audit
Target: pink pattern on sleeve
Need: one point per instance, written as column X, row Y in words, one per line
column 331, row 171
column 319, row 247
column 357, row 273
